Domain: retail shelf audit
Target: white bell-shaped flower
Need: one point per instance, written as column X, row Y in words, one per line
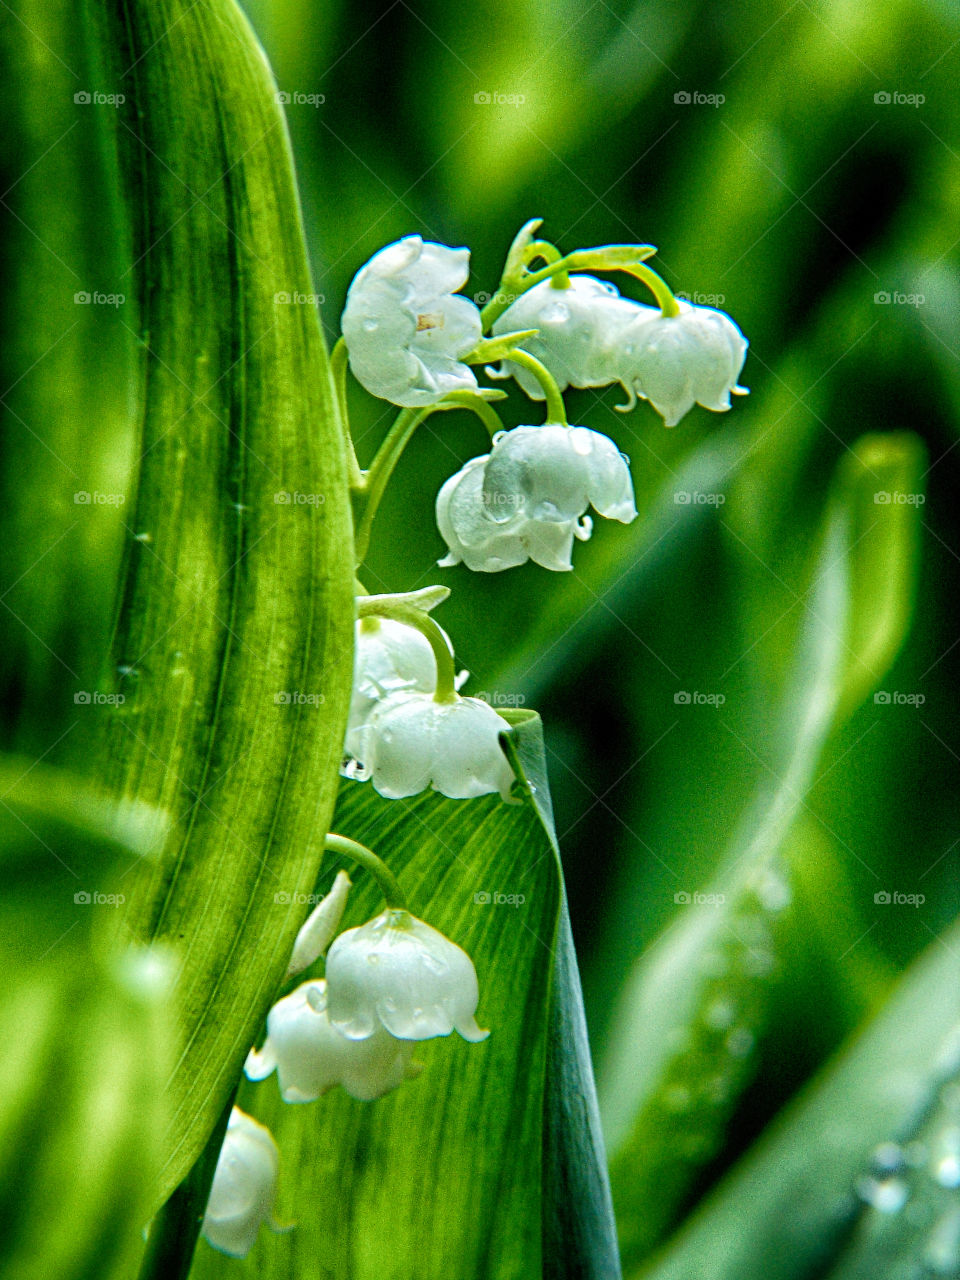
column 578, row 328
column 411, row 742
column 320, row 927
column 243, row 1188
column 554, row 473
column 405, row 326
column 678, row 361
column 311, row 1057
column 398, row 973
column 388, row 657
column 488, row 545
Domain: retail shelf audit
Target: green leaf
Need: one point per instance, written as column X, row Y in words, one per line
column 696, row 1004
column 488, row 1165
column 87, row 1036
column 233, row 645
column 800, row 1205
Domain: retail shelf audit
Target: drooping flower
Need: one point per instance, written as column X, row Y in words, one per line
column 527, row 499
column 678, row 361
column 579, row 328
column 398, row 973
column 406, row 327
column 411, row 742
column 320, row 927
column 244, row 1186
column 389, row 657
column 311, row 1057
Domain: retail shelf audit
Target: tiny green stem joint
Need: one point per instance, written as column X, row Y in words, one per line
column 338, row 370
column 359, row 853
column 400, row 610
column 668, row 304
column 555, row 409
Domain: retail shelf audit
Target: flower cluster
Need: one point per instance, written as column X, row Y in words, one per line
column 390, row 984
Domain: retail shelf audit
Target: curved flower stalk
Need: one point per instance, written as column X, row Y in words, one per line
column 397, row 973
column 244, row 1186
column 528, row 498
column 578, row 332
column 678, row 361
column 311, row 1057
column 405, row 326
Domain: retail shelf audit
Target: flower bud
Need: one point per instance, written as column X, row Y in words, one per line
column 320, row 927
column 244, row 1186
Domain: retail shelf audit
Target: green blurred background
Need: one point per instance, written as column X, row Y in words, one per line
column 811, row 203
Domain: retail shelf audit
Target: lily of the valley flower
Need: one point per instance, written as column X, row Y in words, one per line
column 579, row 327
column 411, row 742
column 320, row 927
column 398, row 973
column 244, row 1186
column 311, row 1057
column 527, row 499
column 678, row 361
column 405, row 326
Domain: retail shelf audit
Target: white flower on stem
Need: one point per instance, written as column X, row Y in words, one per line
column 311, row 1057
column 390, row 657
column 320, row 927
column 678, row 361
column 405, row 326
column 527, row 499
column 398, row 973
column 243, row 1188
column 579, row 328
column 411, row 742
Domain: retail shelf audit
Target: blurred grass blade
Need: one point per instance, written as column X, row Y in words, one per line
column 462, row 1171
column 86, row 1037
column 832, row 1175
column 233, row 645
column 692, row 1012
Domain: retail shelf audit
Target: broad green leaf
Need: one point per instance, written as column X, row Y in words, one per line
column 826, row 1191
column 86, row 1036
column 489, row 1164
column 695, row 1005
column 233, row 644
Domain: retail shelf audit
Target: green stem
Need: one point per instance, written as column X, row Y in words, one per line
column 176, row 1228
column 338, row 370
column 555, row 410
column 657, row 286
column 366, row 858
column 397, row 609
